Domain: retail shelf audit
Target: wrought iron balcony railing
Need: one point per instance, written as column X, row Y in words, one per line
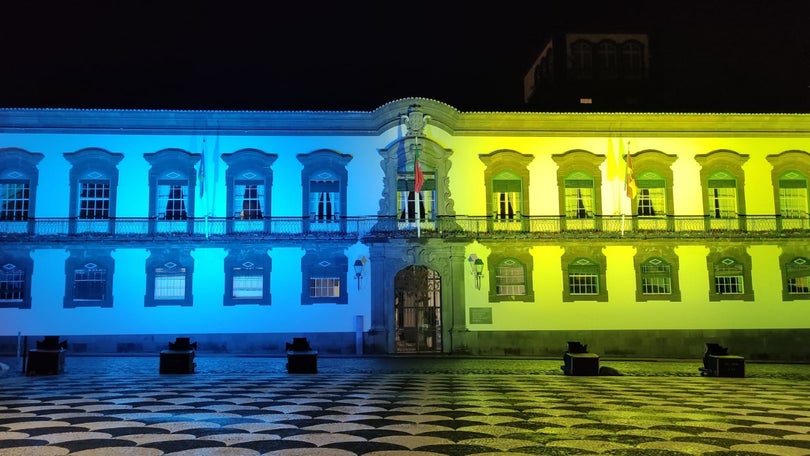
column 355, row 228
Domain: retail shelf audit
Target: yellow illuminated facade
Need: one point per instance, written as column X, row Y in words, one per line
column 122, row 229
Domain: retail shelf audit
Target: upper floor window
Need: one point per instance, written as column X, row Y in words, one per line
column 173, row 198
column 324, row 199
column 324, row 180
column 607, row 58
column 507, row 196
column 94, row 199
column 652, row 195
column 15, row 198
column 94, row 182
column 579, row 196
column 793, row 196
column 723, row 182
column 415, row 205
column 171, row 183
column 18, row 181
column 582, row 59
column 248, row 198
column 633, row 65
column 249, row 178
column 722, row 195
column 89, row 281
column 506, row 180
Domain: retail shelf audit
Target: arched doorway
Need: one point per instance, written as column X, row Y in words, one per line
column 418, row 310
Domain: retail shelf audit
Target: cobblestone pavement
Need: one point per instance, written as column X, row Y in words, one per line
column 402, row 406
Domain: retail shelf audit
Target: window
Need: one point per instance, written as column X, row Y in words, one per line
column 247, row 274
column 324, row 287
column 89, row 278
column 723, row 182
column 652, row 196
column 581, row 59
column 248, row 281
column 583, row 277
column 793, row 196
column 798, row 276
column 607, row 60
column 171, row 182
column 579, row 198
column 324, row 178
column 12, row 285
column 406, row 198
column 510, row 278
column 583, row 273
column 94, row 179
column 14, row 200
column 172, row 198
column 722, row 193
column 506, row 196
column 728, row 277
column 90, row 283
column 18, row 182
column 15, row 279
column 656, row 277
column 169, row 273
column 324, row 201
column 249, row 178
column 170, row 282
column 94, row 200
column 248, row 199
column 506, row 179
column 324, row 274
column 633, row 66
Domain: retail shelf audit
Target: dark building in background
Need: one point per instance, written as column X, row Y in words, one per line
column 648, row 72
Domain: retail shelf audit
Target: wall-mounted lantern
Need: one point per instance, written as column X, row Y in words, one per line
column 476, row 269
column 359, row 265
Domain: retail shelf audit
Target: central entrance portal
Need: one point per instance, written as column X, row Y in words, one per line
column 418, row 310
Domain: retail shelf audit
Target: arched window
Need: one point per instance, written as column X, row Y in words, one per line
column 579, row 196
column 633, row 65
column 607, row 58
column 582, row 59
column 249, row 178
column 652, row 195
column 793, row 195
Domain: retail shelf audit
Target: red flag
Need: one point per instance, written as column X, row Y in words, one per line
column 418, row 177
column 629, row 181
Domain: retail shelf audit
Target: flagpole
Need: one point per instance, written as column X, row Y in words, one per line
column 626, row 171
column 416, row 193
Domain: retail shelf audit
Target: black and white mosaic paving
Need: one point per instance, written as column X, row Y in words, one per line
column 141, row 413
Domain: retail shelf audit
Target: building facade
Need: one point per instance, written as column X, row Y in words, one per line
column 413, row 228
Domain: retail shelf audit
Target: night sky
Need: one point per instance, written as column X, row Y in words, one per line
column 268, row 55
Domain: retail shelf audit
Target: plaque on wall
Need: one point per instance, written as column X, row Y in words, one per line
column 480, row 315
